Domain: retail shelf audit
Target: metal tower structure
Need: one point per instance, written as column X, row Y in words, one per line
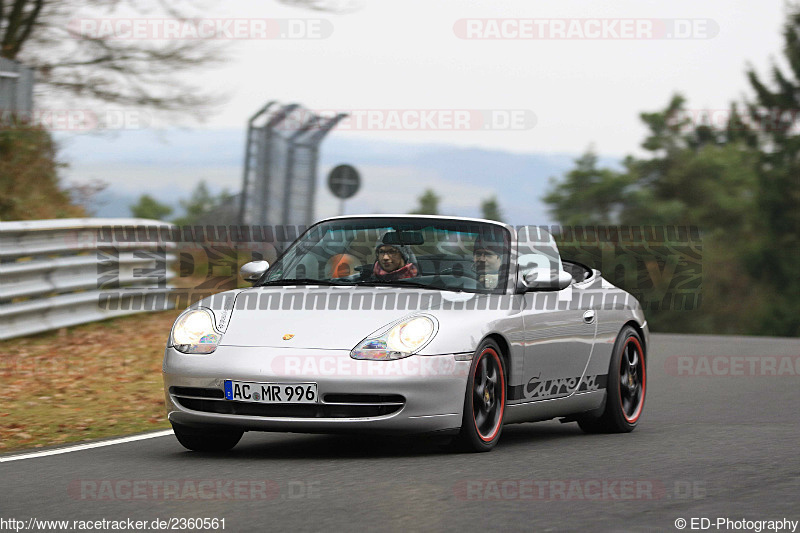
column 280, row 166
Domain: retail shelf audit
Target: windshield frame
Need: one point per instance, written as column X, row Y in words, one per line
column 505, row 282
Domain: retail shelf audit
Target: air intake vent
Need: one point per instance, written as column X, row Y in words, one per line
column 197, row 392
column 348, row 409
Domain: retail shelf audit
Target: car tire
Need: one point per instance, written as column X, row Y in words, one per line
column 626, row 388
column 206, row 440
column 484, row 401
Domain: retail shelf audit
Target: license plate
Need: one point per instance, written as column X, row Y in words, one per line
column 248, row 391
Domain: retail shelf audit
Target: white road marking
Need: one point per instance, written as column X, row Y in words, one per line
column 89, row 446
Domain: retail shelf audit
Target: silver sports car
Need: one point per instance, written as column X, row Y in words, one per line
column 408, row 324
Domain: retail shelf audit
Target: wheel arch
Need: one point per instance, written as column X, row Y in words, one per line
column 505, row 353
column 635, row 325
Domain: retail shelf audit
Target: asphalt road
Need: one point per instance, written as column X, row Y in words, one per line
column 708, row 446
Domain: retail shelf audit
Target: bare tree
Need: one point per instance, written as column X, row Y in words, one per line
column 90, row 66
column 100, row 65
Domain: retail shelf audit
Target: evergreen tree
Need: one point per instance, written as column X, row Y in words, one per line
column 149, row 207
column 587, row 195
column 694, row 174
column 491, row 209
column 775, row 115
column 428, row 204
column 200, row 204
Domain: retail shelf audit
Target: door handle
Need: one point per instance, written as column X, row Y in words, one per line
column 588, row 316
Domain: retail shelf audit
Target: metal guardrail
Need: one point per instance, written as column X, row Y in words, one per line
column 16, row 87
column 58, row 273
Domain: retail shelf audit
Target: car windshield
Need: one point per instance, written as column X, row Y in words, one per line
column 403, row 252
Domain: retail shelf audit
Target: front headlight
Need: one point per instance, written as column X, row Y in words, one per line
column 194, row 332
column 400, row 340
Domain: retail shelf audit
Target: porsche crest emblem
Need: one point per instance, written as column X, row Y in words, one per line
column 288, row 336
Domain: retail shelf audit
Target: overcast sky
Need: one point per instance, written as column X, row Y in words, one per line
column 407, row 55
column 391, row 56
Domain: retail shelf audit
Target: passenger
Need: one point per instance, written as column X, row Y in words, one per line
column 487, row 259
column 393, row 262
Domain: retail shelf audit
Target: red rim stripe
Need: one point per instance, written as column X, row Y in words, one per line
column 503, row 392
column 638, row 411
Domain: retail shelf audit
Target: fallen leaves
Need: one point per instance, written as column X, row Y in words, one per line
column 89, row 381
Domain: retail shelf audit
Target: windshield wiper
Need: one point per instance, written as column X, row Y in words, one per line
column 302, row 281
column 399, row 283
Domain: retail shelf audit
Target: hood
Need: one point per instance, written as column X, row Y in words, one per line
column 324, row 317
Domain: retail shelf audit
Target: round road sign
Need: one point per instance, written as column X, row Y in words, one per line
column 343, row 181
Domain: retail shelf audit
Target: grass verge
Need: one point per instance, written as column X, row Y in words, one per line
column 84, row 382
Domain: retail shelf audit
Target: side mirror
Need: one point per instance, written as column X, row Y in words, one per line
column 545, row 279
column 253, row 270
column 542, row 272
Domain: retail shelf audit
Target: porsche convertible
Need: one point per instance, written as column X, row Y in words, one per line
column 407, row 324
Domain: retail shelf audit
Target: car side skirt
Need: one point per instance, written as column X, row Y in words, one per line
column 558, row 407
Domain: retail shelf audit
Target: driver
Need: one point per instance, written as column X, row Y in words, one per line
column 393, row 261
column 487, row 258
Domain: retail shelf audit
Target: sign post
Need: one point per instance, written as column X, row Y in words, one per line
column 344, row 182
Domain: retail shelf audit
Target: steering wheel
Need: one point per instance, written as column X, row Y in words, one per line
column 451, row 271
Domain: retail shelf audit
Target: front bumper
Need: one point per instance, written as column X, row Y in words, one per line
column 432, row 390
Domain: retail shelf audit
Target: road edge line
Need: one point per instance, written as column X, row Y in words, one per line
column 87, row 446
